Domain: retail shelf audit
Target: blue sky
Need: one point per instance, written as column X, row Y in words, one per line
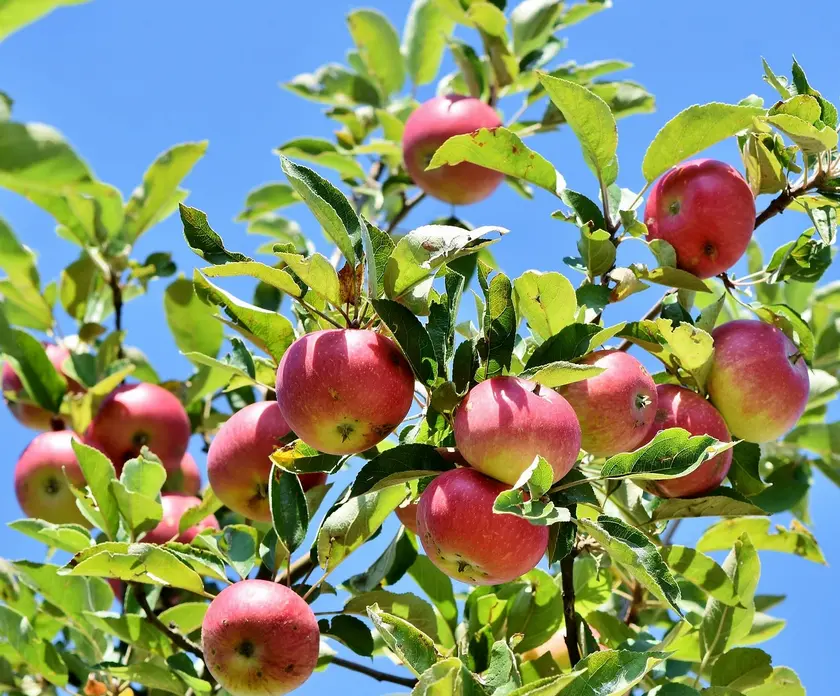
column 124, row 80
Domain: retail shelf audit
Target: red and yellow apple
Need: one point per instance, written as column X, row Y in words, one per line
column 705, row 210
column 174, row 507
column 135, row 415
column 615, row 408
column 342, row 391
column 758, row 380
column 682, row 408
column 40, row 485
column 185, row 479
column 429, row 127
column 504, row 422
column 259, row 638
column 239, row 464
column 467, row 540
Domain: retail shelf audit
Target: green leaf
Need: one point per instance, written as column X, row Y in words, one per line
column 340, row 223
column 156, row 197
column 349, row 631
column 66, row 537
column 448, row 677
column 560, row 373
column 335, row 84
column 191, row 323
column 317, row 272
column 412, row 338
column 811, row 139
column 610, row 672
column 238, row 542
column 537, row 512
column 470, row 67
column 792, row 325
column 692, row 348
column 592, row 122
column 267, row 198
column 289, row 512
column 28, row 358
column 632, row 550
column 413, row 647
column 437, row 586
column 209, row 505
column 99, row 473
column 722, row 502
column 275, row 277
column 547, row 301
column 742, row 668
column 270, row 331
column 378, row 249
column 419, row 254
column 672, row 278
column 701, row 570
column 532, row 23
column 379, row 48
column 36, row 159
column 406, row 606
column 573, row 341
column 323, row 153
column 672, row 453
column 18, row 261
column 16, row 14
column 158, row 677
column 300, row 458
column 597, row 251
column 203, row 240
column 40, row 655
column 724, row 625
column 503, row 151
column 536, row 611
column 692, row 131
column 424, row 40
column 549, row 686
column 797, row 540
column 443, row 317
column 783, row 682
column 388, row 568
column 353, row 523
column 400, row 464
column 186, row 617
column 496, row 347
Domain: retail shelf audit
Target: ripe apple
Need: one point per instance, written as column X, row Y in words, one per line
column 135, row 415
column 118, row 588
column 40, row 485
column 259, row 637
column 758, row 381
column 615, row 408
column 429, row 127
column 467, row 540
column 682, row 408
column 706, row 211
column 407, row 512
column 30, row 415
column 238, row 463
column 504, row 422
column 342, row 391
column 174, row 507
column 185, row 479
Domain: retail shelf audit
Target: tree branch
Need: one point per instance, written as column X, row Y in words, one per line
column 406, row 209
column 116, row 292
column 567, row 566
column 173, row 635
column 632, row 615
column 626, row 344
column 297, row 570
column 375, row 673
column 668, row 537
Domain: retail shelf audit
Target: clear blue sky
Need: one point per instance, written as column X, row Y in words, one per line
column 125, row 79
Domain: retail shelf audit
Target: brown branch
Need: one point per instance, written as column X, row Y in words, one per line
column 668, row 537
column 406, row 209
column 173, row 635
column 116, row 292
column 635, row 606
column 567, row 579
column 375, row 673
column 300, row 568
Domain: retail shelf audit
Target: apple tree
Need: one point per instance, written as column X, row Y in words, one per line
column 538, row 470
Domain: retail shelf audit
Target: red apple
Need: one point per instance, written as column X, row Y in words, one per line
column 342, row 391
column 429, row 127
column 259, row 638
column 238, row 463
column 615, row 408
column 135, row 415
column 40, row 485
column 407, row 514
column 706, row 211
column 185, row 479
column 682, row 408
column 174, row 507
column 467, row 540
column 118, row 588
column 504, row 422
column 30, row 415
column 758, row 381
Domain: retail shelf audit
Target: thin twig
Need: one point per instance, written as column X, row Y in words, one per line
column 116, row 293
column 636, row 604
column 300, row 568
column 173, row 635
column 626, row 344
column 786, row 197
column 668, row 537
column 406, row 209
column 375, row 673
column 567, row 566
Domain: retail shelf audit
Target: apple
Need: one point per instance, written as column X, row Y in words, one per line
column 706, row 210
column 30, row 415
column 239, row 464
column 679, row 407
column 615, row 408
column 467, row 540
column 429, row 127
column 342, row 391
column 174, row 507
column 407, row 512
column 504, row 422
column 259, row 638
column 40, row 485
column 134, row 415
column 118, row 588
column 758, row 380
column 185, row 479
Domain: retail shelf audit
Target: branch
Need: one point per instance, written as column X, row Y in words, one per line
column 173, row 635
column 567, row 567
column 406, row 209
column 297, row 570
column 626, row 344
column 668, row 537
column 375, row 673
column 632, row 615
column 116, row 292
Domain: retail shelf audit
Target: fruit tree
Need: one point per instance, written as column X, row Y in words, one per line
column 520, row 450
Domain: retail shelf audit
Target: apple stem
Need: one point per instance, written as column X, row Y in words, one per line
column 375, row 673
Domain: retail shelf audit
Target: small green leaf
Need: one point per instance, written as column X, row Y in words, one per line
column 797, row 541
column 783, row 682
column 66, row 537
column 28, row 358
column 722, row 502
column 536, row 610
column 496, row 346
column 38, row 654
column 702, row 571
column 99, row 473
column 379, row 48
column 349, row 631
column 537, row 512
column 400, row 464
column 317, row 272
column 388, row 568
column 413, row 647
column 597, row 251
column 412, row 337
column 203, row 240
column 742, row 668
column 424, row 40
column 289, row 512
column 547, row 301
column 209, row 505
column 324, row 154
column 267, row 198
column 16, row 14
column 811, row 139
column 437, row 586
column 560, row 373
column 275, row 277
